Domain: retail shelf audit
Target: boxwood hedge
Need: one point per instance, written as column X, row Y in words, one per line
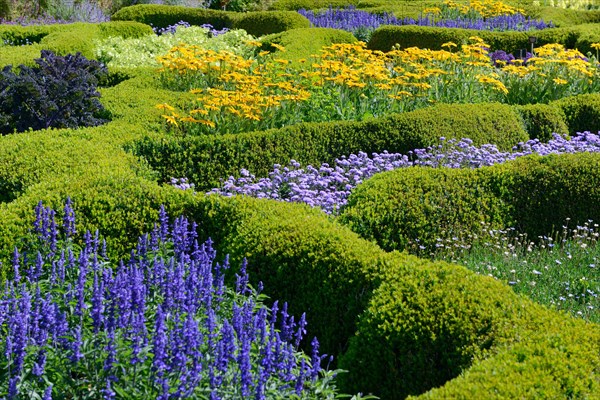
column 534, row 194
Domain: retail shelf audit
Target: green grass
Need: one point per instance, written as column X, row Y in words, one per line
column 561, row 272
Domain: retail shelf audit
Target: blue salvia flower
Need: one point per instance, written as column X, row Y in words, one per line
column 47, row 393
column 159, row 343
column 76, row 344
column 301, row 330
column 111, row 349
column 163, row 220
column 108, row 392
column 69, row 219
column 97, row 312
column 300, row 379
column 40, row 363
column 13, row 391
column 315, row 359
column 241, row 279
column 17, row 275
column 245, row 365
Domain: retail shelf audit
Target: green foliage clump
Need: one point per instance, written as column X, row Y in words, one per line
column 161, row 16
column 117, row 51
column 542, row 120
column 261, row 23
column 4, row 9
column 296, row 45
column 582, row 113
column 532, row 194
column 206, row 159
column 442, row 324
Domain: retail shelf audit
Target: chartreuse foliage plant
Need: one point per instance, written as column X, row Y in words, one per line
column 117, row 51
column 350, row 82
column 161, row 325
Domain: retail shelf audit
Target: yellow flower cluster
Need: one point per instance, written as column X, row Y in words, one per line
column 351, row 77
column 236, row 86
column 552, row 58
column 485, row 8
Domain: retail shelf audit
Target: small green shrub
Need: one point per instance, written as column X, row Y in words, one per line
column 532, row 194
column 261, row 23
column 161, row 16
column 295, row 5
column 542, row 120
column 582, row 113
column 297, row 48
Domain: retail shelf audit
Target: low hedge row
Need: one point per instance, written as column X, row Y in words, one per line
column 296, row 45
column 533, row 194
column 256, row 23
column 385, row 37
column 62, row 39
column 435, row 324
column 207, row 159
column 424, row 323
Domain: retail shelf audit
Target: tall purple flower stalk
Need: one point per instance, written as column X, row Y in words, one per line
column 163, row 322
column 363, row 23
column 328, row 187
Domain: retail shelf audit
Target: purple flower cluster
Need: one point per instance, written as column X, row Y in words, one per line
column 83, row 11
column 328, row 187
column 166, row 311
column 363, row 22
column 500, row 58
column 171, row 29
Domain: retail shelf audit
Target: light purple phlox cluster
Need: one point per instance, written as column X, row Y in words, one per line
column 328, row 187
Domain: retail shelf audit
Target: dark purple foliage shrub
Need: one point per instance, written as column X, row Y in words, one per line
column 60, row 92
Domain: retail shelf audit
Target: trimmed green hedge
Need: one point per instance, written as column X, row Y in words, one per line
column 80, row 37
column 259, row 23
column 161, row 16
column 435, row 323
column 20, row 34
column 256, row 23
column 582, row 112
column 424, row 322
column 533, row 194
column 542, row 120
column 296, row 45
column 385, row 37
column 207, row 159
